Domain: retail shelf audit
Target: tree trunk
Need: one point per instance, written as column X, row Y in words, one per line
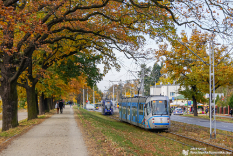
column 50, row 103
column 46, row 105
column 9, row 80
column 37, row 108
column 54, row 102
column 10, row 104
column 42, row 107
column 31, row 101
column 195, row 106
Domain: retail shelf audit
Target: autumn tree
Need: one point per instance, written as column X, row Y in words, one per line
column 231, row 102
column 151, row 77
column 155, row 73
column 99, row 25
column 189, row 68
column 103, row 24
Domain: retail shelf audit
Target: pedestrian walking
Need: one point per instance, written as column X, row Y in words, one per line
column 61, row 105
column 206, row 111
column 231, row 112
column 57, row 107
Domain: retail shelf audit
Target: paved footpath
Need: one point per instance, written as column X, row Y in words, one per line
column 56, row 136
column 203, row 122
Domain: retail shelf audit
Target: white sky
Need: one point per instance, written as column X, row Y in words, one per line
column 130, row 64
column 126, row 65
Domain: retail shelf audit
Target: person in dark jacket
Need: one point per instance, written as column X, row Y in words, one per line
column 206, row 111
column 231, row 112
column 61, row 106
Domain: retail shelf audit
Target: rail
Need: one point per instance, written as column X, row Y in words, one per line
column 195, row 140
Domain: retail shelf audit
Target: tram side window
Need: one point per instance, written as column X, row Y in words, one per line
column 140, row 109
column 134, row 111
column 128, row 113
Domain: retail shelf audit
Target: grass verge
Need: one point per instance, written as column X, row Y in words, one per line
column 222, row 119
column 223, row 138
column 105, row 136
column 24, row 125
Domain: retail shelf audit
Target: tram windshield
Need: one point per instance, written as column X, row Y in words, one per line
column 107, row 105
column 159, row 107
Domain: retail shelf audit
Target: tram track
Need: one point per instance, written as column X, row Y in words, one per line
column 208, row 144
column 191, row 139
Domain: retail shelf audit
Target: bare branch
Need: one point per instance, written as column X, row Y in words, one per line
column 8, row 3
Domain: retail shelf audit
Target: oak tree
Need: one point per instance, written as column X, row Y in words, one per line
column 188, row 65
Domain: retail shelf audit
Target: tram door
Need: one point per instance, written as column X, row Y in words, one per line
column 127, row 110
column 134, row 117
column 141, row 111
column 123, row 108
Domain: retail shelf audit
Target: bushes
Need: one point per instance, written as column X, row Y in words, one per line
column 231, row 102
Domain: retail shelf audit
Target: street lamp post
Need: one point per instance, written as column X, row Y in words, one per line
column 212, row 91
column 211, row 86
column 143, row 73
column 87, row 94
column 117, row 96
column 113, row 94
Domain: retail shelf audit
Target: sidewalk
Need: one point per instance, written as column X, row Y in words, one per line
column 224, row 116
column 220, row 115
column 58, row 135
column 202, row 122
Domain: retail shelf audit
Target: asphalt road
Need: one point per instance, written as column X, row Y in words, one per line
column 202, row 122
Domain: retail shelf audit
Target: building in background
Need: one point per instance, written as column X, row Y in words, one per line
column 170, row 90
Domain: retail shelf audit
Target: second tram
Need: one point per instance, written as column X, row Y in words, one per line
column 107, row 107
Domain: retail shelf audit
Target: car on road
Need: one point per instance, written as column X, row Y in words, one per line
column 178, row 111
column 90, row 107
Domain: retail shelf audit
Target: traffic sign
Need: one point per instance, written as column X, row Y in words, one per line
column 189, row 102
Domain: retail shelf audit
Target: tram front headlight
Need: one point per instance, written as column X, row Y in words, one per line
column 168, row 120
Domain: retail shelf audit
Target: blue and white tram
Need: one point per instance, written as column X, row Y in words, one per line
column 152, row 112
column 107, row 107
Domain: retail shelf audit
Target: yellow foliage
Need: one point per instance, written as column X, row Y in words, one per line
column 182, row 66
column 74, row 100
column 26, row 105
